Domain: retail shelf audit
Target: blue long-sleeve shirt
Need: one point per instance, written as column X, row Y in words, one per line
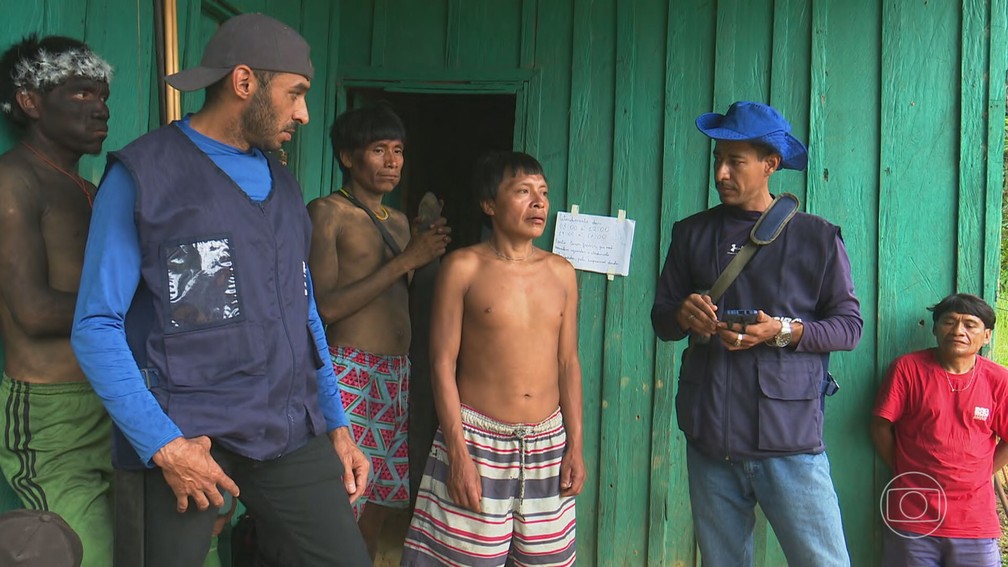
column 109, row 280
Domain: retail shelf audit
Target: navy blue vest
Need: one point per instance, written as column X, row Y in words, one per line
column 222, row 307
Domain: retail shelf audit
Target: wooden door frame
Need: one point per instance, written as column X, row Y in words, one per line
column 522, row 83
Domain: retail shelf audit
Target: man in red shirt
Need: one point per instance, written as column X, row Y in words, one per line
column 936, row 423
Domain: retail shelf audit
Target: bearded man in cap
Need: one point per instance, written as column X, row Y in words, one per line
column 749, row 397
column 224, row 389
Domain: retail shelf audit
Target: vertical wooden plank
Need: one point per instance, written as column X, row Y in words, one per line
column 617, row 543
column 342, row 105
column 919, row 129
column 412, row 34
column 521, row 115
column 314, row 148
column 354, row 45
column 973, row 118
column 66, row 18
column 551, row 98
column 742, row 55
column 533, row 102
column 333, row 98
column 844, row 187
column 529, row 27
column 629, row 350
column 743, row 50
column 490, row 34
column 689, row 86
column 528, row 106
column 193, row 33
column 20, row 19
column 589, row 158
column 532, row 119
column 453, row 34
column 379, row 31
column 789, row 79
column 128, row 48
column 998, row 65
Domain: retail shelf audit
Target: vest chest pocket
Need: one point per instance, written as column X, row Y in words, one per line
column 790, row 418
column 215, row 355
column 200, row 284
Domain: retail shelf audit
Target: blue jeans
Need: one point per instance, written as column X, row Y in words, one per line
column 795, row 493
column 914, row 550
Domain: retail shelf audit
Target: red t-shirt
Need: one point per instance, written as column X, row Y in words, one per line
column 944, row 454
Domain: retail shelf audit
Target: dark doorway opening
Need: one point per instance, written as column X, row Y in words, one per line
column 446, row 134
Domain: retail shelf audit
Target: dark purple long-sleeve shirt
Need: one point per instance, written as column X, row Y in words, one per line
column 763, row 401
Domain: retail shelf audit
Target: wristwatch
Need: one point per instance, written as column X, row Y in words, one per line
column 783, row 338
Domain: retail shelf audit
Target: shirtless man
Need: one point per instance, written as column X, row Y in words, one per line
column 362, row 296
column 507, row 461
column 55, row 450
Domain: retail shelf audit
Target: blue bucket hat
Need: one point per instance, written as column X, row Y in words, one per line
column 756, row 122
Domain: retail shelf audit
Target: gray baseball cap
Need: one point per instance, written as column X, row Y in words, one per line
column 259, row 41
column 38, row 538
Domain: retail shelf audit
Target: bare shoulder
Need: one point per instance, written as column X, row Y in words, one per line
column 327, row 212
column 559, row 265
column 461, row 265
column 18, row 182
column 329, row 205
column 463, row 259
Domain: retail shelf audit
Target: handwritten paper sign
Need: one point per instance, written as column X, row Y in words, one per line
column 594, row 243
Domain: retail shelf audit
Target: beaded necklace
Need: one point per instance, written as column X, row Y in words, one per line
column 376, row 213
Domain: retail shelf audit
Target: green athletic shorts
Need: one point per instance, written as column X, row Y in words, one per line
column 56, row 455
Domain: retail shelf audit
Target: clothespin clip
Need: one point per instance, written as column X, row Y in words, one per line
column 621, row 215
column 611, row 274
column 574, row 210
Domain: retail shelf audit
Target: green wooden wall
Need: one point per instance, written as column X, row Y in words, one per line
column 893, row 96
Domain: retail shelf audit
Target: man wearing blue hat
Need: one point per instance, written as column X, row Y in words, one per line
column 750, row 390
column 196, row 323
